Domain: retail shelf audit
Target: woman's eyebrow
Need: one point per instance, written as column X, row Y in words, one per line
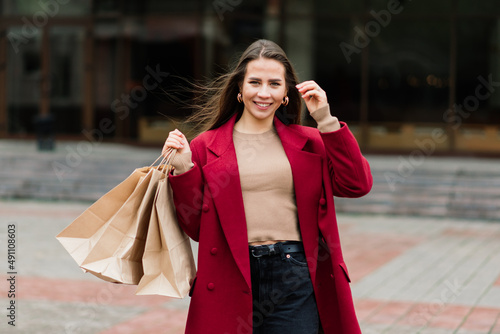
column 258, row 79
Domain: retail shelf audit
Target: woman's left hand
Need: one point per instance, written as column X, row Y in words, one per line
column 313, row 95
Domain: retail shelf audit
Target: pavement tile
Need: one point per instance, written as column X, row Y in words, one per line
column 389, row 312
column 485, row 232
column 36, row 211
column 450, row 317
column 153, row 321
column 403, row 273
column 366, row 307
column 372, row 328
column 53, row 317
column 467, row 331
column 450, row 274
column 496, row 327
column 360, row 254
column 99, row 292
column 497, row 282
column 481, row 278
column 419, row 315
column 437, row 331
column 412, row 330
column 480, row 319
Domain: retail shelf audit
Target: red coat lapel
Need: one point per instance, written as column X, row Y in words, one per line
column 307, row 179
column 222, row 178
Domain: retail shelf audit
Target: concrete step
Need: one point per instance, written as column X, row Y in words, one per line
column 70, row 172
column 452, row 187
column 446, row 187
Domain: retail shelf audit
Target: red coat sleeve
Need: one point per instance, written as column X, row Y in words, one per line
column 349, row 170
column 187, row 191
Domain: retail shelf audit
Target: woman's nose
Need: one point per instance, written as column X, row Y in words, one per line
column 263, row 91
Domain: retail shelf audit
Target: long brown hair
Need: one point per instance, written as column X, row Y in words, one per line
column 217, row 102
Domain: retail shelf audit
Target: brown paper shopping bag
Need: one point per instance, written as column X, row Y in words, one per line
column 108, row 238
column 168, row 258
column 117, row 254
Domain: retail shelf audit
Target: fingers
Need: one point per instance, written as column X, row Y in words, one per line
column 177, row 140
column 313, row 95
column 309, row 89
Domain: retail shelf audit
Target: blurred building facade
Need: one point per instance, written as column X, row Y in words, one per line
column 415, row 76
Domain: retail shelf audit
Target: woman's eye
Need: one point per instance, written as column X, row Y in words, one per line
column 276, row 84
column 254, row 82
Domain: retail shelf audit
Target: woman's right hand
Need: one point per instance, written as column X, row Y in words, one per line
column 177, row 140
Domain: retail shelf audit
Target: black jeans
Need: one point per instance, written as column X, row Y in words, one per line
column 283, row 295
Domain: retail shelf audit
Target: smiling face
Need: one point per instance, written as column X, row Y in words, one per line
column 263, row 89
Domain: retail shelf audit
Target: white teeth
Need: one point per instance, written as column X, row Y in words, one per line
column 263, row 104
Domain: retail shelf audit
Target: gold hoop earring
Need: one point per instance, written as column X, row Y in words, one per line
column 239, row 98
column 285, row 101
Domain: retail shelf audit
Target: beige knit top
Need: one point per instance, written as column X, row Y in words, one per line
column 267, row 187
column 266, row 181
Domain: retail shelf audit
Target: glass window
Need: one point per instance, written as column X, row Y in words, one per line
column 338, row 75
column 427, row 7
column 66, row 76
column 236, row 36
column 151, row 7
column 107, row 6
column 163, row 62
column 162, row 6
column 408, row 71
column 225, row 40
column 255, row 7
column 478, row 62
column 23, row 79
column 329, row 7
column 478, row 7
column 229, row 9
column 42, row 10
column 134, row 7
column 105, row 91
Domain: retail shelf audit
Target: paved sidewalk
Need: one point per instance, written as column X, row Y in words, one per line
column 409, row 275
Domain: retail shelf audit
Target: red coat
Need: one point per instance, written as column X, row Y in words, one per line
column 209, row 206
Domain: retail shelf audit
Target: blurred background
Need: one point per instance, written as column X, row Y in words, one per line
column 391, row 69
column 417, row 81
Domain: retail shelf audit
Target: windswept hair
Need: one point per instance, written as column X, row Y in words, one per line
column 217, row 102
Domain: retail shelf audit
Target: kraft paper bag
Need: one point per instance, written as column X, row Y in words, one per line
column 168, row 258
column 108, row 238
column 117, row 254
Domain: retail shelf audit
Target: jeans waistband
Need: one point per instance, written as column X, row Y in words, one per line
column 277, row 248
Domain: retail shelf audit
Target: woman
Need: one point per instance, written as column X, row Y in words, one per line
column 256, row 190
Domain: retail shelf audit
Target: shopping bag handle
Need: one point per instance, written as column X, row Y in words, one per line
column 165, row 164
